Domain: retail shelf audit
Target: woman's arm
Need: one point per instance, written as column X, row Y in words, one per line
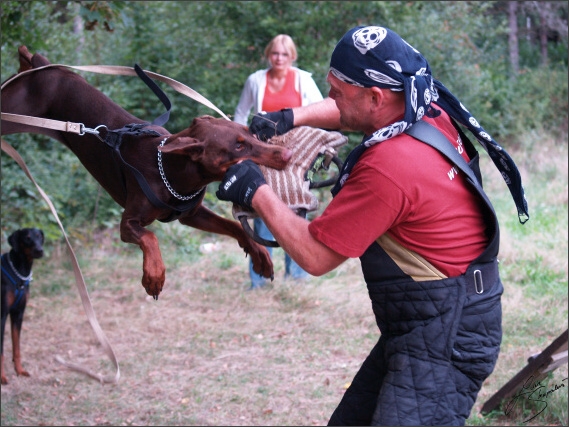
column 246, row 102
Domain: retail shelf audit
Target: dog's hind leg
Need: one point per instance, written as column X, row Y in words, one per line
column 4, row 379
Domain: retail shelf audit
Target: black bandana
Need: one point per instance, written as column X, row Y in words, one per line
column 379, row 57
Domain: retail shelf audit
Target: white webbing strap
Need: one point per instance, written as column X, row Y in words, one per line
column 119, row 70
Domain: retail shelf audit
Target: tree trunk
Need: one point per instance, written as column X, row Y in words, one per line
column 513, row 37
column 543, row 26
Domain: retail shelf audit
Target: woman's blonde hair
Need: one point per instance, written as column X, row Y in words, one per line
column 286, row 41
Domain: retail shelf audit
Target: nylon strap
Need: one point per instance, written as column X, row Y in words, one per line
column 119, row 70
column 430, row 135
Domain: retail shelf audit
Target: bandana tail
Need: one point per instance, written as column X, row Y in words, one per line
column 500, row 157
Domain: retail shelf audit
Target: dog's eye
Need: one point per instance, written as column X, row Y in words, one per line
column 239, row 143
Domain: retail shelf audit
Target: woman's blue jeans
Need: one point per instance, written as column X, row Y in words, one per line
column 292, row 269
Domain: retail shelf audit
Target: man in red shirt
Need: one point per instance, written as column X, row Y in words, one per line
column 424, row 230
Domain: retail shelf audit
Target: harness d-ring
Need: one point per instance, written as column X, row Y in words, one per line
column 95, row 131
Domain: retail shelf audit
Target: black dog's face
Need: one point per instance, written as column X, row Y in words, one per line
column 29, row 241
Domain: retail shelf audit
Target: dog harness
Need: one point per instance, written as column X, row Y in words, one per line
column 114, row 140
column 21, row 285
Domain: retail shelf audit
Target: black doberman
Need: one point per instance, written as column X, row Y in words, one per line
column 27, row 245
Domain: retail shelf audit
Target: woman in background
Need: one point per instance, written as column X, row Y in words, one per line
column 277, row 87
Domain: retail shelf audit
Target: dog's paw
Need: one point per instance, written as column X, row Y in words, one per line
column 22, row 373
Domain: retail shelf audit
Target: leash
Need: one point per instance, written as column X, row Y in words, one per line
column 79, row 281
column 119, row 70
column 113, row 138
column 80, row 129
column 144, row 75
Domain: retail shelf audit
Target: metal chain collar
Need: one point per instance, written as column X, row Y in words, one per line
column 167, row 184
column 18, row 275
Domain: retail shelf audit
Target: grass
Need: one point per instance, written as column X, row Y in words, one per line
column 209, row 352
column 533, row 265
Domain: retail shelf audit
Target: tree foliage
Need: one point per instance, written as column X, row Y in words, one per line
column 213, row 46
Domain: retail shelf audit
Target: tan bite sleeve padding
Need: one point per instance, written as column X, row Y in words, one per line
column 289, row 184
column 409, row 262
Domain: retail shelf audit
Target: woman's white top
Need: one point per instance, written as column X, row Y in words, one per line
column 254, row 90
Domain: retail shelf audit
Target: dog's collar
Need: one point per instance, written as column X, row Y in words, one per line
column 167, row 184
column 26, row 279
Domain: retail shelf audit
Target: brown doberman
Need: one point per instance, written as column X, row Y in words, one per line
column 152, row 174
column 27, row 245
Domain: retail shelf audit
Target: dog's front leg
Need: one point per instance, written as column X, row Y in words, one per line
column 153, row 269
column 16, row 329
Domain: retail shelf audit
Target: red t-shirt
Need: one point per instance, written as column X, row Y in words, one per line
column 409, row 190
column 288, row 97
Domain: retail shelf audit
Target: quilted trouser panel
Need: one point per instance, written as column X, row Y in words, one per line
column 436, row 349
column 396, row 383
column 419, row 321
column 360, row 400
column 476, row 347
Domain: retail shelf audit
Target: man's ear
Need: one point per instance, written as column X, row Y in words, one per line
column 377, row 96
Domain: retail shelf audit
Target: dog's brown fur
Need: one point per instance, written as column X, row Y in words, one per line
column 192, row 158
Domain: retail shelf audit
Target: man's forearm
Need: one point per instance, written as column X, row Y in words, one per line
column 291, row 232
column 323, row 114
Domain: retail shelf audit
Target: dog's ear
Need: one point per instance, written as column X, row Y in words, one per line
column 14, row 239
column 185, row 146
column 204, row 118
column 42, row 236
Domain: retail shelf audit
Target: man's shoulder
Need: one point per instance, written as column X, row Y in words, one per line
column 403, row 153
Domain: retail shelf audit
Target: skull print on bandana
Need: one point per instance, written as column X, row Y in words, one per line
column 372, row 56
column 367, row 38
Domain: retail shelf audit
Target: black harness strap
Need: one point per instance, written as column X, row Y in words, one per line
column 20, row 285
column 430, row 135
column 483, row 269
column 114, row 140
column 163, row 119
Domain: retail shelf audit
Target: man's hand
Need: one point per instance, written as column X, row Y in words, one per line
column 267, row 125
column 240, row 183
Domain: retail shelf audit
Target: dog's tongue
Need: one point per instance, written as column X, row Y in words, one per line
column 287, row 154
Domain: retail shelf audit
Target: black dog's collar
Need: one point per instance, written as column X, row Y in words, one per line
column 24, row 281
